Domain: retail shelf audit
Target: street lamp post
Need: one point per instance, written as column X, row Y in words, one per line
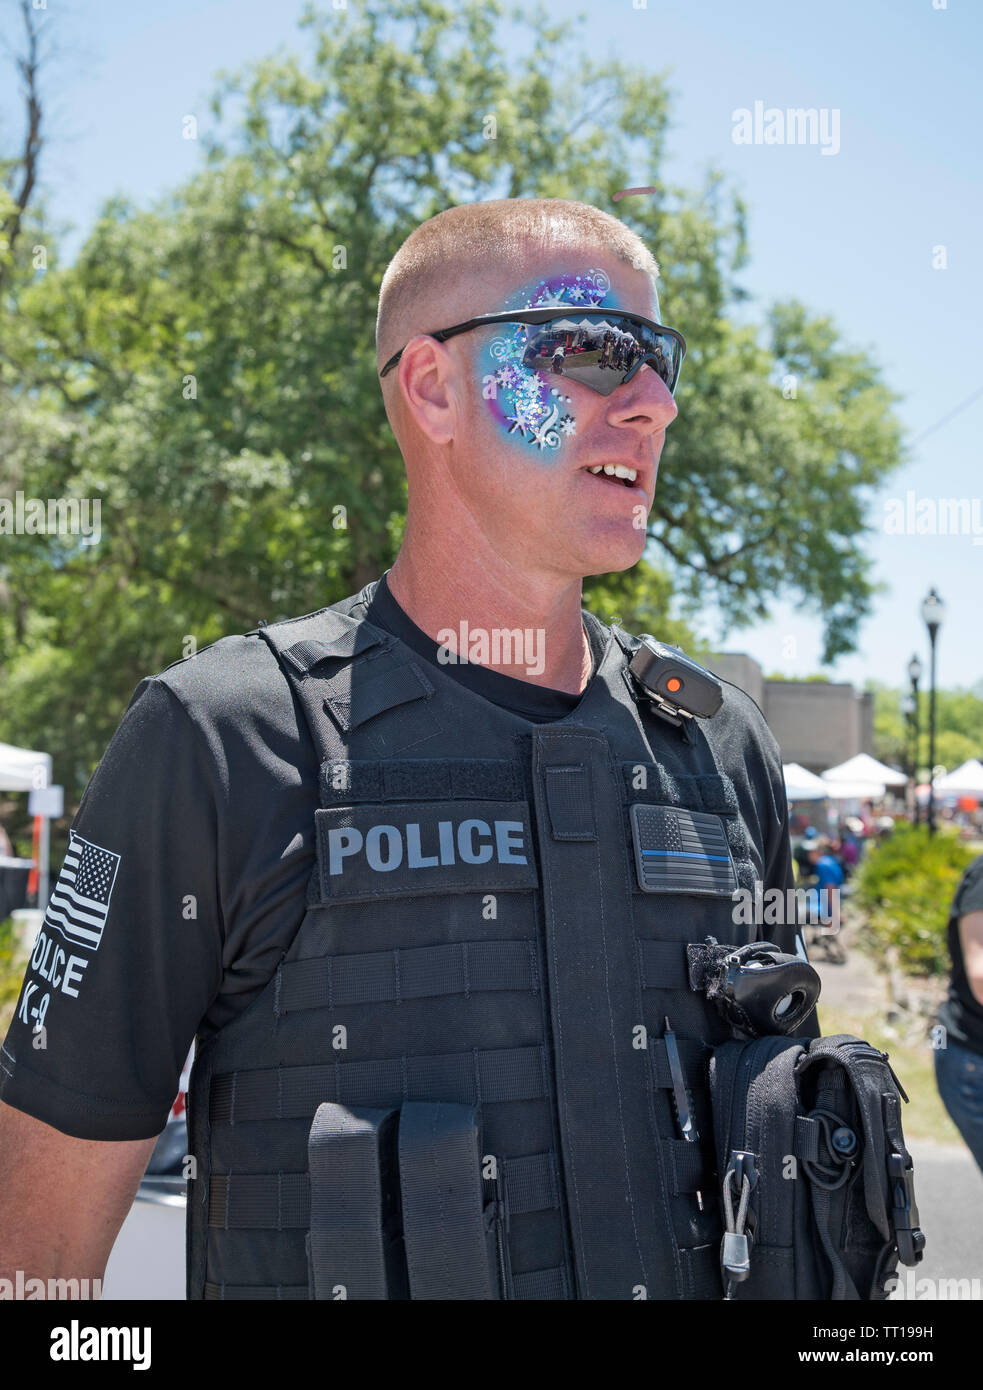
column 915, row 675
column 933, row 611
column 908, row 710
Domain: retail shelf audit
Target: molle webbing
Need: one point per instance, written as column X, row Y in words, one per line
column 282, row 1201
column 543, row 1285
column 412, row 972
column 468, row 1078
column 419, row 972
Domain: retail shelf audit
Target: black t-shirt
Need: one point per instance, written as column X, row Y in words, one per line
column 962, row 1014
column 186, row 878
column 537, row 703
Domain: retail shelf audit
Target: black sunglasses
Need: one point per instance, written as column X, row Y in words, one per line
column 600, row 348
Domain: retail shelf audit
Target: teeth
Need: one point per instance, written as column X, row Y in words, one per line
column 615, row 471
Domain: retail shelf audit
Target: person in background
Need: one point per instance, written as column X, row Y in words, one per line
column 803, row 864
column 6, row 848
column 828, row 874
column 849, row 851
column 959, row 1039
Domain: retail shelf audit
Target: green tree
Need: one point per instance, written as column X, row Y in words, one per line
column 206, row 367
column 958, row 727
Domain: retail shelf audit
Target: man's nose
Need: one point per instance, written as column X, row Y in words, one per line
column 649, row 395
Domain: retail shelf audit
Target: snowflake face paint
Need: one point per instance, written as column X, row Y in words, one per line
column 531, row 405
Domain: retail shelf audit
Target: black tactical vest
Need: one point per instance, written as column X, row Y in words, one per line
column 457, row 1084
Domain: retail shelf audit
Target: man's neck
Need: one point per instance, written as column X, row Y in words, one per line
column 532, row 632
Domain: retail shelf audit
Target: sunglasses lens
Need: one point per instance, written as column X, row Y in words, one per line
column 600, row 352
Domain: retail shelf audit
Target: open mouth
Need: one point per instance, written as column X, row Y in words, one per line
column 614, row 473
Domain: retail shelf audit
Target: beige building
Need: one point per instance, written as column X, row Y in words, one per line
column 817, row 723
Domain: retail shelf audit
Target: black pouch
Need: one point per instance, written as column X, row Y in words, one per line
column 399, row 1207
column 816, row 1183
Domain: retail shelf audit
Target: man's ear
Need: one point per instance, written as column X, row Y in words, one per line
column 428, row 381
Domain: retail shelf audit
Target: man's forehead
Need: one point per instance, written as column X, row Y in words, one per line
column 579, row 279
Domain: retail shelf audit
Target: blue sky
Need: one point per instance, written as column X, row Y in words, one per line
column 851, row 234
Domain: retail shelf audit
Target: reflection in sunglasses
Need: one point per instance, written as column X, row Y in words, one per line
column 597, row 353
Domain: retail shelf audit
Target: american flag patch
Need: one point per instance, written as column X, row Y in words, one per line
column 679, row 851
column 79, row 905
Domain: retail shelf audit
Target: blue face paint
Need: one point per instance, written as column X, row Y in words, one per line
column 531, row 406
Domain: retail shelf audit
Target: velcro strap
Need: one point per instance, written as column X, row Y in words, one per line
column 354, row 702
column 570, row 801
column 353, row 1204
column 418, row 972
column 419, row 779
column 321, row 635
column 805, row 1140
column 663, row 964
column 303, row 655
column 709, row 791
column 688, row 1168
column 693, row 1056
column 701, row 1272
column 542, row 1284
column 448, row 1255
column 266, row 1292
column 469, row 1078
column 531, row 1183
column 282, row 1201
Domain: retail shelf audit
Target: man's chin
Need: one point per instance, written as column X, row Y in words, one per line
column 611, row 554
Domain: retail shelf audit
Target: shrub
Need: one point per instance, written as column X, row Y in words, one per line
column 11, row 974
column 906, row 885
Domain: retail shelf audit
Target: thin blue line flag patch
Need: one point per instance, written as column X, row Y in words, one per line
column 679, row 851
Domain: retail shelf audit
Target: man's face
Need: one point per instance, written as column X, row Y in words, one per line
column 563, row 476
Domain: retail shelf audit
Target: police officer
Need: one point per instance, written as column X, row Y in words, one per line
column 959, row 1054
column 418, row 871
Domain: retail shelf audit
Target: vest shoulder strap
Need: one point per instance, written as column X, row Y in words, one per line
column 300, row 643
column 344, row 672
column 316, row 654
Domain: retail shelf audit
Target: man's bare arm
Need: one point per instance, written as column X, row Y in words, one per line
column 62, row 1200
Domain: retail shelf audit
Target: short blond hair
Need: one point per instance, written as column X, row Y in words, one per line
column 446, row 266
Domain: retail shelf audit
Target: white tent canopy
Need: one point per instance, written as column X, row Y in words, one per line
column 853, row 791
column 802, row 785
column 864, row 768
column 966, row 780
column 23, row 769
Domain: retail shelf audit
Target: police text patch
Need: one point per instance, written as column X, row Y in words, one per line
column 679, row 851
column 423, row 847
